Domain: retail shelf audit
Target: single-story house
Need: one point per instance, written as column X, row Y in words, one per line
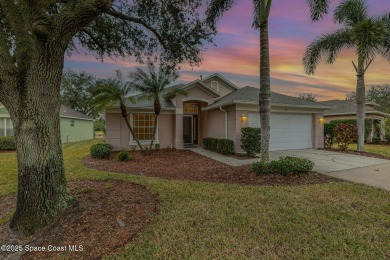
column 75, row 126
column 346, row 109
column 215, row 107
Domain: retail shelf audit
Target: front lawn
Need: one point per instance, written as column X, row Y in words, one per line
column 202, row 220
column 381, row 149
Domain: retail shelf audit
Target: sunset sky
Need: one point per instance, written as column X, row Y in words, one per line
column 236, row 56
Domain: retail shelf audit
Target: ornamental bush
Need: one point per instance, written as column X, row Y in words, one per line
column 376, row 140
column 7, row 143
column 368, row 125
column 100, row 151
column 225, row 146
column 123, row 156
column 344, row 135
column 328, row 134
column 284, row 166
column 251, row 140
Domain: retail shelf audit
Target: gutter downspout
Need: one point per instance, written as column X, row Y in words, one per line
column 226, row 125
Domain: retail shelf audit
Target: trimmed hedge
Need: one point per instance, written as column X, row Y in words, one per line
column 100, row 151
column 284, row 166
column 210, row 143
column 387, row 129
column 223, row 146
column 250, row 140
column 376, row 140
column 7, row 143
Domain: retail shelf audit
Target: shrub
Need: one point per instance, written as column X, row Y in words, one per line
column 123, row 156
column 157, row 147
column 284, row 166
column 386, row 128
column 344, row 135
column 328, row 134
column 100, row 151
column 7, row 143
column 225, row 146
column 376, row 140
column 250, row 140
column 210, row 143
column 368, row 125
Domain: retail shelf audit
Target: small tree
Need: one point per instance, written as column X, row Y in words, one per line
column 307, row 96
column 153, row 86
column 115, row 91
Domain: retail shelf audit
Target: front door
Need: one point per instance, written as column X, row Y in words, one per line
column 188, row 130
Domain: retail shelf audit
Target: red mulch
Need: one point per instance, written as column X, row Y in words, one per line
column 241, row 156
column 109, row 215
column 374, row 155
column 7, row 151
column 187, row 165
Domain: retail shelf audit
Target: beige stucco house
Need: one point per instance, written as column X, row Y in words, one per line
column 215, row 107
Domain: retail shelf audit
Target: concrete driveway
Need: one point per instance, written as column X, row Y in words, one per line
column 361, row 169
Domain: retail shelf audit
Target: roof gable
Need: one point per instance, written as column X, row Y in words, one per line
column 198, row 83
column 222, row 79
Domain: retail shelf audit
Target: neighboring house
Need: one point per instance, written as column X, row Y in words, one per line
column 346, row 109
column 214, row 107
column 75, row 126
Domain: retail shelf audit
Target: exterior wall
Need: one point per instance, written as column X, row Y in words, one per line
column 318, row 131
column 223, row 88
column 214, row 124
column 119, row 136
column 82, row 130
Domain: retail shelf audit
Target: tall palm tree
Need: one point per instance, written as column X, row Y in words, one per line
column 153, row 85
column 113, row 91
column 261, row 15
column 369, row 36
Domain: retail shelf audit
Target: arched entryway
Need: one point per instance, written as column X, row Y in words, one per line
column 192, row 118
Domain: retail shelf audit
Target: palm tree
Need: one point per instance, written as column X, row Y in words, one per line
column 367, row 35
column 261, row 15
column 113, row 91
column 153, row 86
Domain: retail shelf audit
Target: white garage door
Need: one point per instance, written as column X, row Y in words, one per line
column 288, row 131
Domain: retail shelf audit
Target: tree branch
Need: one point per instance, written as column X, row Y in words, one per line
column 94, row 39
column 353, row 63
column 368, row 65
column 139, row 21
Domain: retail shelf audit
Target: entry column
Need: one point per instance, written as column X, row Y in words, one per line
column 179, row 129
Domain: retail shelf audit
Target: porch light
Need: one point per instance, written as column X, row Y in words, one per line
column 243, row 117
column 322, row 120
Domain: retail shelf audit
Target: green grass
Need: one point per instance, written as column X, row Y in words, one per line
column 205, row 220
column 374, row 148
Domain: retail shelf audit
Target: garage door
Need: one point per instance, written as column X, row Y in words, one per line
column 288, row 131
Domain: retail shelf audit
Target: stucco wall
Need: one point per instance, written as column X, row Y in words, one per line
column 118, row 134
column 82, row 130
column 223, row 88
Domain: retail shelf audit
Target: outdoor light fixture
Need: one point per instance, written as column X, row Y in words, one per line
column 322, row 120
column 243, row 117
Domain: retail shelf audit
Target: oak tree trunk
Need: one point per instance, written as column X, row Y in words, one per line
column 360, row 104
column 265, row 91
column 42, row 191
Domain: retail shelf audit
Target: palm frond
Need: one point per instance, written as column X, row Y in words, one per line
column 326, row 46
column 169, row 95
column 216, row 9
column 351, row 12
column 318, row 8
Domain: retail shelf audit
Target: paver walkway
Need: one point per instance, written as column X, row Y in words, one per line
column 361, row 169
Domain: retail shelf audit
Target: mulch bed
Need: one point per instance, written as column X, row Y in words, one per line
column 108, row 216
column 7, row 151
column 374, row 155
column 187, row 165
column 241, row 156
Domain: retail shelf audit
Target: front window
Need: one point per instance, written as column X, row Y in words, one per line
column 143, row 126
